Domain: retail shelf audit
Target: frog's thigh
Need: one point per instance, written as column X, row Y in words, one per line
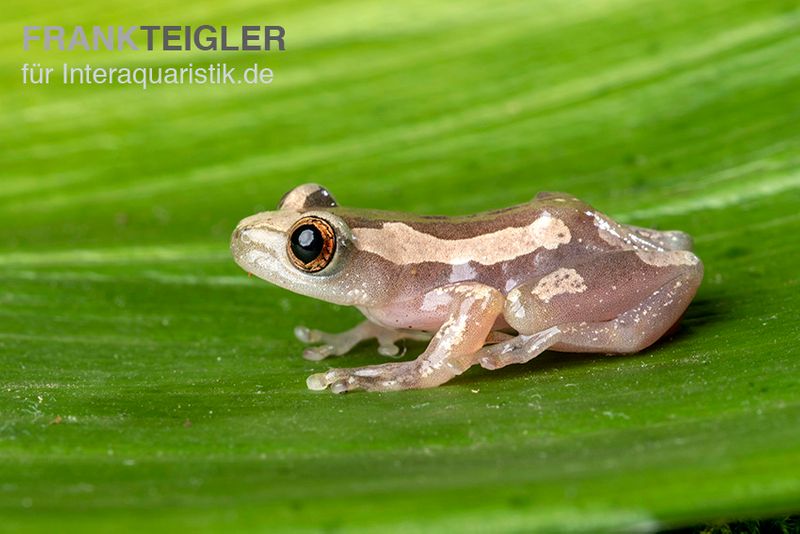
column 640, row 326
column 600, row 289
column 472, row 311
column 659, row 300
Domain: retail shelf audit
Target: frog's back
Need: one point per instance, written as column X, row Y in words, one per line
column 463, row 227
column 500, row 248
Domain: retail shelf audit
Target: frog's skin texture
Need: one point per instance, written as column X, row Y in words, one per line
column 492, row 289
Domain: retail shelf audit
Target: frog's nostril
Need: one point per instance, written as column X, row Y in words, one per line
column 240, row 234
column 240, row 231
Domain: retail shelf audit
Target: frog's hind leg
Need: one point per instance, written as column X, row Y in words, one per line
column 343, row 342
column 657, row 295
column 632, row 331
column 665, row 240
column 518, row 349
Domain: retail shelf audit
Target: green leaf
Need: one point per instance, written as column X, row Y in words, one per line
column 146, row 380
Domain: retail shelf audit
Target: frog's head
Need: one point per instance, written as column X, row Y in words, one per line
column 303, row 246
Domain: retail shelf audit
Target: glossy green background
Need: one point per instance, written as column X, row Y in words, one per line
column 177, row 383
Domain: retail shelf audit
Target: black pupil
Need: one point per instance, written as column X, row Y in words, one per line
column 307, row 243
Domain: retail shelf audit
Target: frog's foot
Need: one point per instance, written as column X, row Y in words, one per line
column 473, row 309
column 342, row 343
column 387, row 377
column 519, row 349
column 665, row 240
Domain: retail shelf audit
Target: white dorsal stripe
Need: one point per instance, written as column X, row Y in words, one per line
column 399, row 243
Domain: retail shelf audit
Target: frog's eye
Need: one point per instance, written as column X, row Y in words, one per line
column 311, row 244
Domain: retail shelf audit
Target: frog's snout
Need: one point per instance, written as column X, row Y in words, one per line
column 240, row 235
column 244, row 232
column 241, row 238
column 256, row 237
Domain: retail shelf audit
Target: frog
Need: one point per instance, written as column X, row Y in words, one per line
column 490, row 289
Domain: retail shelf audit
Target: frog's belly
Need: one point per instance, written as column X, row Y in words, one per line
column 410, row 318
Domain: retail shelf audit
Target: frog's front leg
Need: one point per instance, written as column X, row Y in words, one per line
column 471, row 310
column 343, row 342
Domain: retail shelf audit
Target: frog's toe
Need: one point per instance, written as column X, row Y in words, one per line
column 332, row 344
column 387, row 341
column 339, row 381
column 495, row 359
column 317, row 382
column 389, row 349
column 316, row 354
column 307, row 335
column 679, row 240
column 339, row 387
column 490, row 362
